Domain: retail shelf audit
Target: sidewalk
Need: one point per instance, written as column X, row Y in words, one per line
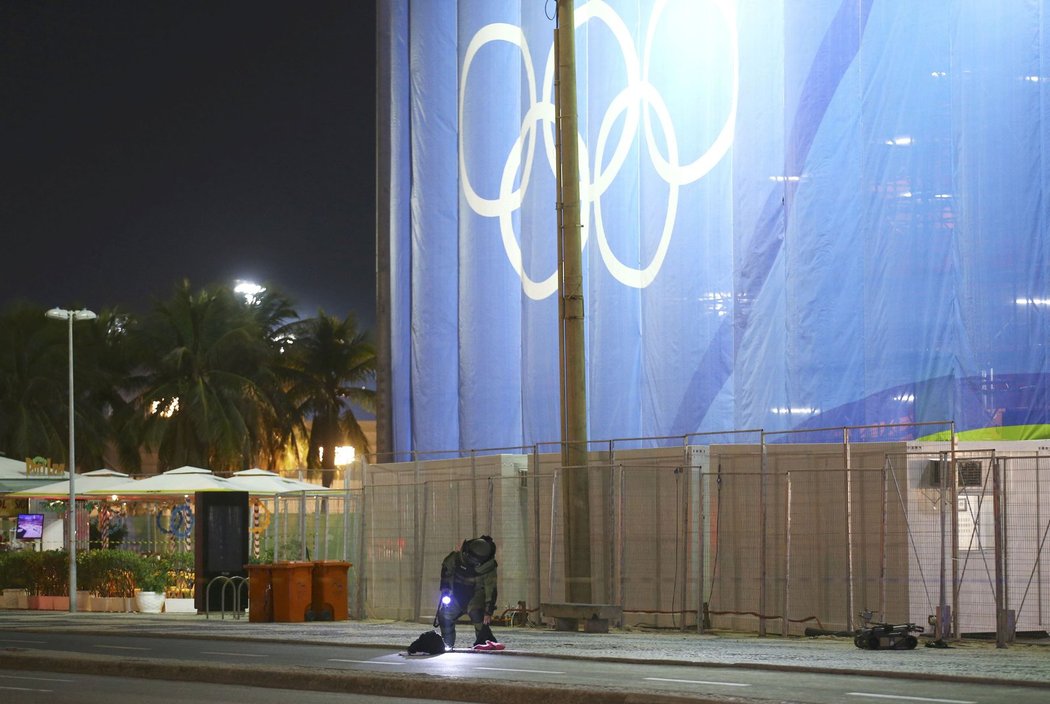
column 977, row 661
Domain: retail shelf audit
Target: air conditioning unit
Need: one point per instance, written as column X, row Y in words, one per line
column 967, row 472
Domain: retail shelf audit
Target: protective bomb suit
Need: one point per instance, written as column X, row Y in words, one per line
column 468, row 576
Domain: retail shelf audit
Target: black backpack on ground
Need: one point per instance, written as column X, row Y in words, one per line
column 429, row 642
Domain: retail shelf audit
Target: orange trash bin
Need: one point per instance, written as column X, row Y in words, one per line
column 292, row 590
column 260, row 592
column 329, row 591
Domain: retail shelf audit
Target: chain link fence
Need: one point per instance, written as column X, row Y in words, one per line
column 774, row 537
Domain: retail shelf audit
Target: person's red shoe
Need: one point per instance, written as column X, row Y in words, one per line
column 493, row 645
column 484, row 647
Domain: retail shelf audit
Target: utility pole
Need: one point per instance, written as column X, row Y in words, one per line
column 573, row 363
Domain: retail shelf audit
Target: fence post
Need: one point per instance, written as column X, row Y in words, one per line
column 1000, row 566
column 417, row 554
column 687, row 525
column 942, row 594
column 681, row 559
column 276, row 528
column 346, row 513
column 554, row 541
column 611, row 520
column 491, row 507
column 621, row 535
column 302, row 525
column 849, row 528
column 887, row 467
column 1006, row 552
column 421, row 548
column 320, row 514
column 538, row 591
column 953, row 493
column 762, row 541
column 362, row 583
column 1037, row 541
column 785, row 624
column 701, row 498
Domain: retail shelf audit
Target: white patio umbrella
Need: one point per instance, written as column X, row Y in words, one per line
column 174, row 482
column 261, row 482
column 99, row 479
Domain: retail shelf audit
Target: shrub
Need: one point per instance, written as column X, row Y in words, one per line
column 265, row 557
column 109, row 572
column 14, row 569
column 46, row 573
column 180, row 574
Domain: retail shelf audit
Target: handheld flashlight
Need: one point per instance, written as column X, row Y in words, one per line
column 446, row 600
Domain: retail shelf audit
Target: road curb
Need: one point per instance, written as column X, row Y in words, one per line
column 421, row 686
column 763, row 666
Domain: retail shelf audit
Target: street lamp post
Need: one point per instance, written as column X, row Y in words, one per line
column 71, row 529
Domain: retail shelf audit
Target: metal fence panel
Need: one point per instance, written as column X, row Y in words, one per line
column 759, row 538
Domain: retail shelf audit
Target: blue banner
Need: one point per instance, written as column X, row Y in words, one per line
column 796, row 215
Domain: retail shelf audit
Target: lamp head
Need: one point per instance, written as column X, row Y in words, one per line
column 63, row 314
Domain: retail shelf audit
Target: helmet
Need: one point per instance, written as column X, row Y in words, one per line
column 479, row 550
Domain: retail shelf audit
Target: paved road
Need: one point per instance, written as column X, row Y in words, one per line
column 346, row 667
column 42, row 687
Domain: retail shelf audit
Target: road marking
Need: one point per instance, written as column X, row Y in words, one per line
column 366, row 662
column 722, row 684
column 236, row 655
column 910, row 699
column 13, row 640
column 512, row 669
column 121, row 647
column 38, row 679
column 26, row 689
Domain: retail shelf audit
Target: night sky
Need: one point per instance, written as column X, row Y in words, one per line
column 146, row 142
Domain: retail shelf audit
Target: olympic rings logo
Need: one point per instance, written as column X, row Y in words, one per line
column 636, row 102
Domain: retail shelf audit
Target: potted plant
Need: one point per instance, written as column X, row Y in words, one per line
column 152, row 580
column 179, row 594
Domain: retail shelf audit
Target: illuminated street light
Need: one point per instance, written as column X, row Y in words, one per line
column 71, row 529
column 344, row 455
column 250, row 290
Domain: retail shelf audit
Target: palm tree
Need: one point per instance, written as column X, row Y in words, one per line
column 205, row 391
column 33, row 387
column 333, row 363
column 103, row 365
column 277, row 433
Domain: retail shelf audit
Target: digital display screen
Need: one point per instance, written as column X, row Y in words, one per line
column 30, row 526
column 227, row 538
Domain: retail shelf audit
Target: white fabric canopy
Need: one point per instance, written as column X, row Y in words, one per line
column 99, row 479
column 261, row 482
column 184, row 480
